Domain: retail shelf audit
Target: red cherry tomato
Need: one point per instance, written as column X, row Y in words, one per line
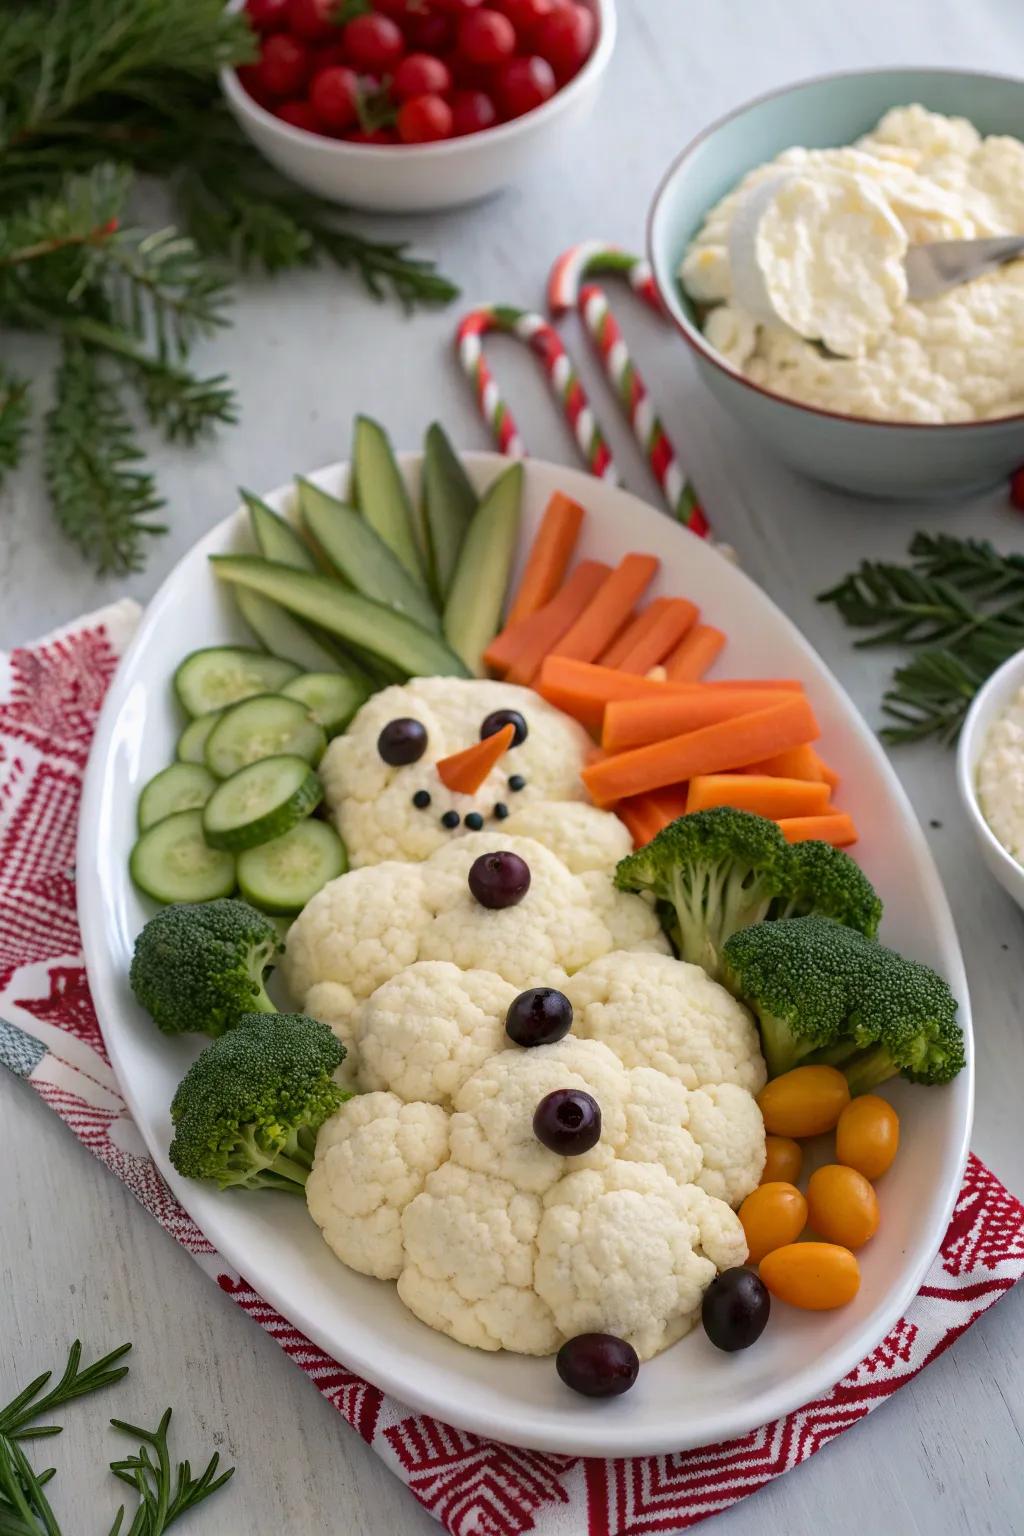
column 396, row 9
column 524, row 84
column 424, row 119
column 374, row 42
column 565, row 39
column 312, row 20
column 420, row 74
column 472, row 112
column 284, row 65
column 334, row 97
column 429, row 31
column 456, row 7
column 372, row 136
column 525, row 15
column 251, row 80
column 486, row 37
column 329, row 54
column 267, row 15
column 299, row 114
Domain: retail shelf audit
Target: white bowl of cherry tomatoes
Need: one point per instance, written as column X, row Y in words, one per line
column 408, row 105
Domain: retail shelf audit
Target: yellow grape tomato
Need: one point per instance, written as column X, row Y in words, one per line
column 804, row 1102
column 772, row 1215
column 783, row 1159
column 842, row 1205
column 815, row 1276
column 868, row 1135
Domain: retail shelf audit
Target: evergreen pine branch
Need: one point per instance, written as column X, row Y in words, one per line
column 102, row 499
column 15, row 409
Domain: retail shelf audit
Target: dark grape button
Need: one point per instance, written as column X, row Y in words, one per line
column 402, row 741
column 499, row 879
column 568, row 1122
column 421, row 799
column 598, row 1364
column 474, row 821
column 538, row 1017
column 516, row 782
column 500, row 717
column 500, row 811
column 450, row 819
column 735, row 1309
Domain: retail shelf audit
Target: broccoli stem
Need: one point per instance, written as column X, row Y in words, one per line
column 869, row 1070
column 292, row 1174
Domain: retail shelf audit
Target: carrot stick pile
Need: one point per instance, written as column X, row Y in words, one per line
column 671, row 742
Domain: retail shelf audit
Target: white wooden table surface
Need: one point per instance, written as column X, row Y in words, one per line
column 77, row 1255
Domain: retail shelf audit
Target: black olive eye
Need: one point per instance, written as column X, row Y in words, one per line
column 500, row 717
column 402, row 741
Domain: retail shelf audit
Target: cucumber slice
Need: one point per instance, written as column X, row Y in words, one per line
column 260, row 802
column 381, row 495
column 266, row 725
column 192, row 741
column 282, row 875
column 449, row 502
column 223, row 674
column 331, row 699
column 281, row 634
column 381, row 631
column 172, row 861
column 473, row 611
column 181, row 787
column 275, row 536
column 361, row 557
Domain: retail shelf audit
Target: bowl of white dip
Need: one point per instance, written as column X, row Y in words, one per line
column 777, row 241
column 990, row 773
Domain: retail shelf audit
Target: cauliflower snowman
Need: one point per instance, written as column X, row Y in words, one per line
column 438, row 1174
column 384, row 779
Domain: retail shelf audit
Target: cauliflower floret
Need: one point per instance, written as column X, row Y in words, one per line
column 371, row 800
column 659, row 1012
column 430, row 1027
column 726, row 1124
column 470, row 1244
column 492, row 1128
column 656, row 1123
column 620, row 1251
column 371, row 1160
column 632, row 920
column 368, row 925
column 581, row 835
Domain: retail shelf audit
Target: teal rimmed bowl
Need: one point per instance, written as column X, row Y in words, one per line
column 873, row 458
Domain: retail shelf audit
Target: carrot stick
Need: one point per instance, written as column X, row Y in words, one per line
column 694, row 654
column 640, row 817
column 549, row 556
column 760, row 793
column 828, row 774
column 837, row 829
column 607, row 611
column 583, row 689
column 634, row 629
column 653, row 717
column 463, row 772
column 663, row 636
column 797, row 763
column 671, row 802
column 549, row 623
column 719, row 748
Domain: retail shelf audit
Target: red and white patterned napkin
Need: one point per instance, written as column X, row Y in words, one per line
column 50, row 694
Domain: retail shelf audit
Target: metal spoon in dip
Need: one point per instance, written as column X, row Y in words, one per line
column 943, row 264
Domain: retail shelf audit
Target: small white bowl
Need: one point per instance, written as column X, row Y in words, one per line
column 415, row 178
column 989, row 704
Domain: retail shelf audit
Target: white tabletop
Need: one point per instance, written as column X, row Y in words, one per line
column 77, row 1255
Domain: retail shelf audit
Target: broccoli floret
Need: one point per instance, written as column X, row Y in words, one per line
column 201, row 967
column 712, row 874
column 248, row 1109
column 825, row 993
column 823, row 881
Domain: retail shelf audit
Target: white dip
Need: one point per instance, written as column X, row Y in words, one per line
column 1001, row 778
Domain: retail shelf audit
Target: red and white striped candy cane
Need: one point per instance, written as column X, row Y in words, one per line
column 544, row 341
column 568, row 290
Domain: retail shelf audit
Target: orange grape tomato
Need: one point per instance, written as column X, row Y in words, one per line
column 772, row 1215
column 868, row 1135
column 815, row 1276
column 783, row 1160
column 804, row 1102
column 842, row 1206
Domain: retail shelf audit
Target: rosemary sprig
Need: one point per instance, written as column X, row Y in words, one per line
column 164, row 1492
column 962, row 602
column 17, row 1419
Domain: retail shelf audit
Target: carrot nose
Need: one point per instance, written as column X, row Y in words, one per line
column 465, row 771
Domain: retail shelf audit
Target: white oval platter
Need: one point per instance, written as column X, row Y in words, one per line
column 692, row 1394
